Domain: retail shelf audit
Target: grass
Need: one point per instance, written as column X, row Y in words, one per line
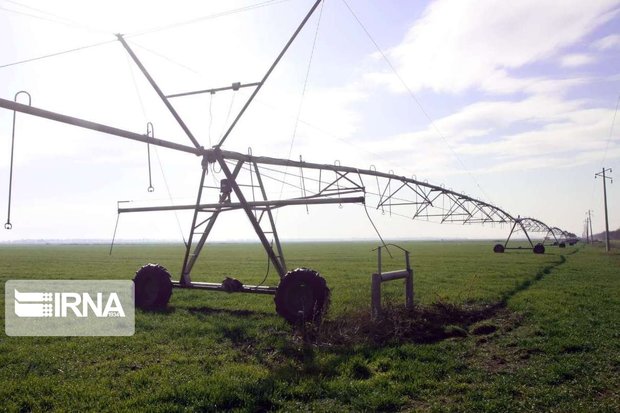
column 490, row 332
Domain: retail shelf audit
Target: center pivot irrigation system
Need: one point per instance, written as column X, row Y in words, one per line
column 244, row 182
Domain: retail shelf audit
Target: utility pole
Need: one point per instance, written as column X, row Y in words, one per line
column 590, row 223
column 605, row 177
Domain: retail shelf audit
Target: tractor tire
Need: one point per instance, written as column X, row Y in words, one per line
column 539, row 249
column 302, row 296
column 153, row 287
column 498, row 248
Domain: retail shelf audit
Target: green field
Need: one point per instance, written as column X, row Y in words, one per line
column 491, row 332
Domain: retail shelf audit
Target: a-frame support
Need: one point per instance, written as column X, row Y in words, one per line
column 538, row 248
column 229, row 186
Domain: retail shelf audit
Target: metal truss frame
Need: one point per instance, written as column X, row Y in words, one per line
column 318, row 184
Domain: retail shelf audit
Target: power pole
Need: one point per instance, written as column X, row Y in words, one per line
column 586, row 230
column 605, row 178
column 590, row 223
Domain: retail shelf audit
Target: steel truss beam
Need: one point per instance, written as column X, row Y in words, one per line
column 391, row 191
column 528, row 226
column 318, row 183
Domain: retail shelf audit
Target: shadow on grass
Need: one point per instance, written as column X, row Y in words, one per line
column 531, row 281
column 421, row 324
column 222, row 311
column 167, row 310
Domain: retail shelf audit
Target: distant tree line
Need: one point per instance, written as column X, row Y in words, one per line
column 615, row 235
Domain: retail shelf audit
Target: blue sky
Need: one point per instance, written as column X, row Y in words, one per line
column 516, row 104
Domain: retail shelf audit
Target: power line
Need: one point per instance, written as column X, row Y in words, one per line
column 76, row 49
column 415, row 98
column 303, row 92
column 174, row 62
column 207, row 17
column 611, row 131
column 53, row 18
column 161, row 167
column 149, row 31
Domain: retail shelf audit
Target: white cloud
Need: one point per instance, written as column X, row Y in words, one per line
column 575, row 131
column 576, row 59
column 457, row 46
column 607, row 42
column 510, row 136
column 461, row 44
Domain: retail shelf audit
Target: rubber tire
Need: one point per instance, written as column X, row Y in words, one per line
column 562, row 245
column 302, row 290
column 153, row 287
column 539, row 249
column 498, row 248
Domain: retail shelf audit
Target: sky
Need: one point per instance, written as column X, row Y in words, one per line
column 513, row 103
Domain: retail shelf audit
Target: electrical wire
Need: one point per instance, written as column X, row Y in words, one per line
column 163, row 175
column 303, row 93
column 207, row 17
column 63, row 52
column 210, row 115
column 268, row 268
column 611, row 131
column 305, row 86
column 174, row 62
column 144, row 32
column 118, row 217
column 415, row 99
column 377, row 231
column 232, row 100
column 53, row 18
column 161, row 167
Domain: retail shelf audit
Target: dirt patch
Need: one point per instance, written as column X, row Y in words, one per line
column 421, row 324
column 484, row 329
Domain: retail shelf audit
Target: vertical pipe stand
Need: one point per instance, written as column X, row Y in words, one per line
column 380, row 277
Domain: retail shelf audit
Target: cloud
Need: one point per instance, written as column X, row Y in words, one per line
column 462, row 44
column 576, row 59
column 460, row 47
column 607, row 42
column 491, row 136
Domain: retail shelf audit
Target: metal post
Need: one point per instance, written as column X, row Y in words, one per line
column 603, row 175
column 375, row 289
column 8, row 224
column 375, row 296
column 408, row 283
